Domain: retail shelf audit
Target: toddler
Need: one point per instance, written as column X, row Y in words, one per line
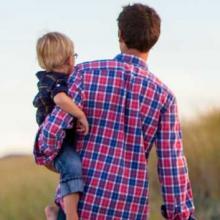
column 55, row 53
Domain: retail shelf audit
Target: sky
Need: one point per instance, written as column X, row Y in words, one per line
column 186, row 56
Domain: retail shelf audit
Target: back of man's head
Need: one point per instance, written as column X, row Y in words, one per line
column 139, row 27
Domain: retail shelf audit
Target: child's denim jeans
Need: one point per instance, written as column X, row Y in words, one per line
column 68, row 164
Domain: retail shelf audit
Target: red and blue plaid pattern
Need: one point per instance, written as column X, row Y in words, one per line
column 128, row 110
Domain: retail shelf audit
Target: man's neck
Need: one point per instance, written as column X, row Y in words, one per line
column 142, row 55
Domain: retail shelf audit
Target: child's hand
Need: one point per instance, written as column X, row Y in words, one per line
column 82, row 125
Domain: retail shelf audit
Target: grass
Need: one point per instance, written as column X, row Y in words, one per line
column 26, row 188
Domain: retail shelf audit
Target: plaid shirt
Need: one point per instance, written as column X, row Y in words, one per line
column 128, row 110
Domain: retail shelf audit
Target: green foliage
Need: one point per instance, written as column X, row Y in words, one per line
column 202, row 149
column 26, row 188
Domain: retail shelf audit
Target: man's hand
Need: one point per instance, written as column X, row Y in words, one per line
column 164, row 213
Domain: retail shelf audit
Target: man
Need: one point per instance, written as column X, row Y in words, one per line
column 128, row 110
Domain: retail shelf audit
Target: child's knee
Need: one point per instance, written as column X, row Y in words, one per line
column 72, row 167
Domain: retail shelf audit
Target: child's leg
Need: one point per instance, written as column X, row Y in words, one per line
column 51, row 212
column 71, row 205
column 68, row 164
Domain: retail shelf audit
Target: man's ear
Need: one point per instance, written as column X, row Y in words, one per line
column 120, row 36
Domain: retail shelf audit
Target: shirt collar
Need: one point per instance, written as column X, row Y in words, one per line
column 131, row 59
column 41, row 74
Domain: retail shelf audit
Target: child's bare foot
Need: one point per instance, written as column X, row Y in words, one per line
column 51, row 212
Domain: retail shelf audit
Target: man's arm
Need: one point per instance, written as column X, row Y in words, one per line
column 172, row 166
column 52, row 132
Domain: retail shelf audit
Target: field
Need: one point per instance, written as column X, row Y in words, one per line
column 25, row 189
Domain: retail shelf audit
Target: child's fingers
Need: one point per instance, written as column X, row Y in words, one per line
column 80, row 130
column 86, row 130
column 85, row 126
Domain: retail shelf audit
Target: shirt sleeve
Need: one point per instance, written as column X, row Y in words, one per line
column 172, row 165
column 52, row 131
column 59, row 86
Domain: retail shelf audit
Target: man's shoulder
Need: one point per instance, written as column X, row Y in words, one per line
column 146, row 77
column 159, row 83
column 158, row 87
column 97, row 65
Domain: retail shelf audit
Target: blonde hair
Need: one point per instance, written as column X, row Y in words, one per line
column 53, row 49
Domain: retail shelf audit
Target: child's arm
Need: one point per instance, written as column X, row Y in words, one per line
column 66, row 104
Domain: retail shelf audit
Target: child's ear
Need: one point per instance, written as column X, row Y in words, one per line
column 70, row 61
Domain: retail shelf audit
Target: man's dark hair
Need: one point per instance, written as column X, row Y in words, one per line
column 139, row 26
